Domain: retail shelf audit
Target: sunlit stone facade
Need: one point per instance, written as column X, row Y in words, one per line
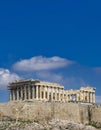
column 85, row 94
column 36, row 90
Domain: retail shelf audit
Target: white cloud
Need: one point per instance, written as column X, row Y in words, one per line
column 6, row 76
column 43, row 69
column 38, row 63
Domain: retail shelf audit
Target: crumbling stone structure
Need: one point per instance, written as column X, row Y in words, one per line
column 31, row 90
column 85, row 95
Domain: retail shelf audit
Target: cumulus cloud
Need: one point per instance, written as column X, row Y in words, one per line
column 38, row 63
column 43, row 69
column 6, row 76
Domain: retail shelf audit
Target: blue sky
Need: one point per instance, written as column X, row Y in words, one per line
column 57, row 41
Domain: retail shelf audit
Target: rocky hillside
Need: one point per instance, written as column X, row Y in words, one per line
column 51, row 125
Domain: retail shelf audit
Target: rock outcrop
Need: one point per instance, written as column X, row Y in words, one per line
column 52, row 125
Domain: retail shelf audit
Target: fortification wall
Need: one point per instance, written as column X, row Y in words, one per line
column 43, row 112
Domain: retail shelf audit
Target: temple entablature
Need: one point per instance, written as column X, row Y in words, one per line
column 88, row 89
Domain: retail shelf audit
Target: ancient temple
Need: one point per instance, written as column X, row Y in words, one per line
column 36, row 90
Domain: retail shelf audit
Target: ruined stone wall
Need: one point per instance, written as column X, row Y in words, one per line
column 43, row 112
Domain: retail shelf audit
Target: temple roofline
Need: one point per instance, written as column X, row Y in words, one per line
column 36, row 82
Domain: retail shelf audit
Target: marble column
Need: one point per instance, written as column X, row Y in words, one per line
column 84, row 96
column 66, row 97
column 59, row 93
column 28, row 92
column 17, row 93
column 44, row 93
column 62, row 95
column 88, row 97
column 93, row 97
column 77, row 97
column 55, row 94
column 48, row 93
column 33, row 92
column 14, row 94
column 21, row 93
column 25, row 93
column 13, row 91
column 37, row 92
column 40, row 92
column 70, row 97
column 51, row 94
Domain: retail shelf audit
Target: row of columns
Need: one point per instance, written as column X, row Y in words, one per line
column 84, row 96
column 89, row 97
column 49, row 93
column 37, row 92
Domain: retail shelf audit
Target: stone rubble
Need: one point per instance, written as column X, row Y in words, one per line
column 52, row 125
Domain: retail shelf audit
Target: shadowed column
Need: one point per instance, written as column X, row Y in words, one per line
column 44, row 93
column 40, row 91
column 77, row 97
column 37, row 92
column 33, row 92
column 88, row 97
column 83, row 96
column 48, row 93
column 62, row 95
column 51, row 94
column 25, row 93
column 55, row 94
column 13, row 94
column 59, row 93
